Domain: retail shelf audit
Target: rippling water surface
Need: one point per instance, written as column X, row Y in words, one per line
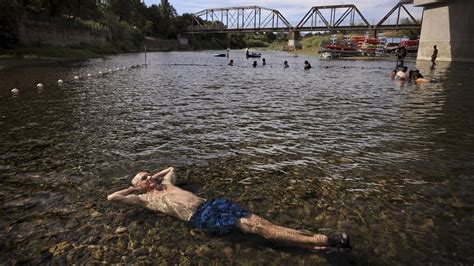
column 341, row 147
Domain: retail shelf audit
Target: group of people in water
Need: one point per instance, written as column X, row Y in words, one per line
column 307, row 65
column 401, row 73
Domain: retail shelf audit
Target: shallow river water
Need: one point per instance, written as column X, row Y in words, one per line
column 338, row 148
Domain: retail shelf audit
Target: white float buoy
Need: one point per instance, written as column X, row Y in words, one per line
column 110, row 70
column 118, row 68
column 60, row 81
column 39, row 86
column 76, row 77
column 89, row 75
column 100, row 72
column 15, row 91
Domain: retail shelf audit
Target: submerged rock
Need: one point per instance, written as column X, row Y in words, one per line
column 203, row 251
column 120, row 230
column 140, row 252
column 95, row 214
column 59, row 248
column 228, row 251
column 164, row 250
column 184, row 261
column 96, row 252
column 427, row 224
column 122, row 246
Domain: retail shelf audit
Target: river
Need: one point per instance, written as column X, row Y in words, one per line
column 338, row 148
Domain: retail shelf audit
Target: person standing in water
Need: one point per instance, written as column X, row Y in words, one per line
column 434, row 55
column 218, row 216
column 402, row 53
column 285, row 64
column 307, row 65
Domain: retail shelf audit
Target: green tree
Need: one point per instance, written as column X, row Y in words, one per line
column 166, row 27
column 153, row 15
column 121, row 8
column 55, row 7
column 85, row 9
column 270, row 36
column 182, row 22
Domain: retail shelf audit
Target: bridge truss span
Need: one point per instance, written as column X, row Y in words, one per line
column 340, row 17
column 399, row 9
column 319, row 18
column 239, row 19
column 348, row 17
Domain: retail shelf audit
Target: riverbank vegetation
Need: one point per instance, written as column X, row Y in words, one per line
column 124, row 22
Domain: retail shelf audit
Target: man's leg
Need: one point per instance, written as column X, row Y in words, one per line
column 257, row 225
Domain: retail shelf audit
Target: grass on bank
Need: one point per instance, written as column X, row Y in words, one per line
column 309, row 45
column 312, row 44
column 47, row 53
column 50, row 52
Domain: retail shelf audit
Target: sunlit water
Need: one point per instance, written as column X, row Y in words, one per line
column 341, row 147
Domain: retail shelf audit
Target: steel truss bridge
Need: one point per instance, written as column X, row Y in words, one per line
column 318, row 18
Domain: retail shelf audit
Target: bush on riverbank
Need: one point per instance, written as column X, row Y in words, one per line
column 124, row 37
column 313, row 43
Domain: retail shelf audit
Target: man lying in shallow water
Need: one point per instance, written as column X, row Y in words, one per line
column 217, row 215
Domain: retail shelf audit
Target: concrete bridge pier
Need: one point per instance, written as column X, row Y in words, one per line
column 448, row 24
column 294, row 40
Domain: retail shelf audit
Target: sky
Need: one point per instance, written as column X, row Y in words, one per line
column 292, row 10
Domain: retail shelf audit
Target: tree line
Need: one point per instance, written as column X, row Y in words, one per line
column 127, row 22
column 125, row 19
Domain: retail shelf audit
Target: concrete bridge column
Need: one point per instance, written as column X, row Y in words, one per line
column 448, row 24
column 294, row 39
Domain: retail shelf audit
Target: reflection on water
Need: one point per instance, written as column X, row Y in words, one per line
column 338, row 148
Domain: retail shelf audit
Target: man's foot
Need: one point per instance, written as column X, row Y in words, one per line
column 340, row 241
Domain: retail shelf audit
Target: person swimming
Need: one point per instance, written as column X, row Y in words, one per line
column 231, row 63
column 393, row 73
column 307, row 65
column 417, row 74
column 419, row 79
column 285, row 64
column 402, row 74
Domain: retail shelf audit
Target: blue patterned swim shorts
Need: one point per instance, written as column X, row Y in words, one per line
column 218, row 216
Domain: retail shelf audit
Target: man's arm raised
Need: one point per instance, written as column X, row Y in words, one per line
column 124, row 196
column 169, row 176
